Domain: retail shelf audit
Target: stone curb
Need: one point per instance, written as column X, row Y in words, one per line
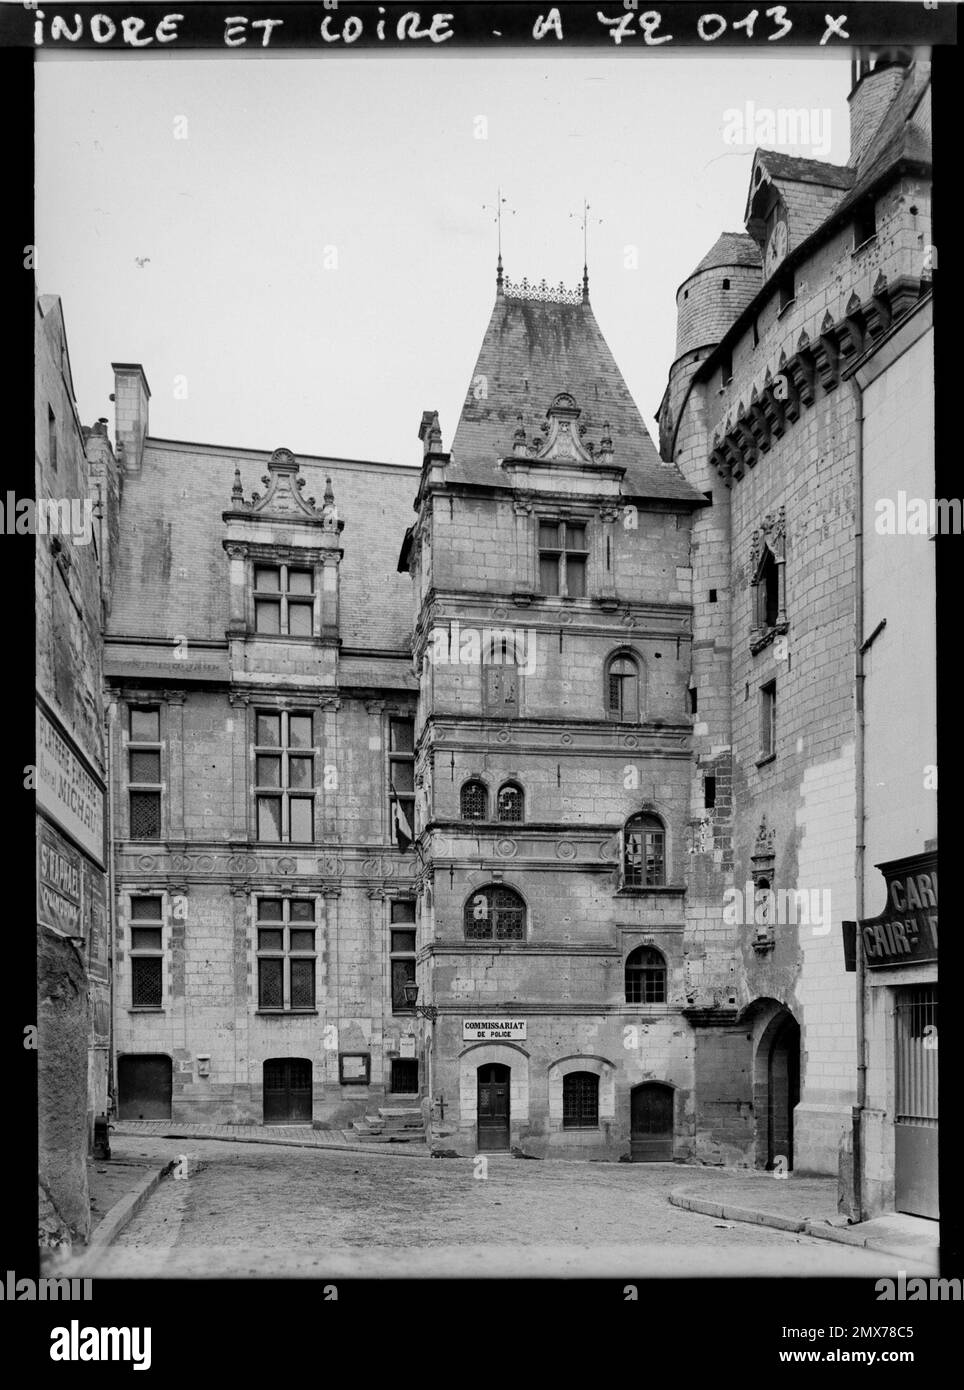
column 119, row 1217
column 389, row 1150
column 810, row 1226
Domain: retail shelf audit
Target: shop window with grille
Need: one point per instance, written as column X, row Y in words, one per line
column 563, row 557
column 474, row 801
column 511, row 802
column 284, row 601
column 284, row 756
column 580, row 1100
column 645, row 976
column 495, row 914
column 146, row 931
column 644, row 853
column 144, row 778
column 286, row 950
column 402, row 952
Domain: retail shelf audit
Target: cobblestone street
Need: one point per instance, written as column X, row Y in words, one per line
column 254, row 1210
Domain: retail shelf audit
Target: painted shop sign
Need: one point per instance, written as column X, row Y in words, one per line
column 59, row 883
column 905, row 933
column 67, row 792
column 494, row 1029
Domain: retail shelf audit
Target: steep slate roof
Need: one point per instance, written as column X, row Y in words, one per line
column 172, row 575
column 798, row 170
column 731, row 248
column 532, row 351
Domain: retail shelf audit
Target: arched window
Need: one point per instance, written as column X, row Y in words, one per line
column 495, row 914
column 580, row 1100
column 474, row 801
column 511, row 802
column 622, row 688
column 644, row 852
column 645, row 976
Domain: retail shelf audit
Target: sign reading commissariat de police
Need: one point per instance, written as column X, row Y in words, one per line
column 66, row 791
column 494, row 1029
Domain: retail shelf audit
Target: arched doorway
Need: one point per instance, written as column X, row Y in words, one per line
column 776, row 1078
column 287, row 1091
column 651, row 1123
column 493, row 1110
column 144, row 1087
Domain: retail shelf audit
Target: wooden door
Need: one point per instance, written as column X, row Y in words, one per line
column 651, row 1123
column 287, row 1091
column 493, row 1107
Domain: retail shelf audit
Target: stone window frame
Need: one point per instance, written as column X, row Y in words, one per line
column 394, row 955
column 644, row 813
column 624, row 653
column 768, row 543
column 287, row 953
column 491, row 888
column 146, row 953
column 511, row 784
column 563, row 517
column 598, row 1066
column 132, row 746
column 473, row 787
column 575, row 1121
column 663, row 967
column 493, row 700
column 284, row 596
column 768, row 721
column 284, row 791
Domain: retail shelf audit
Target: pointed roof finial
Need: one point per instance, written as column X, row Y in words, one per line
column 584, row 222
column 329, row 498
column 237, row 491
column 486, row 207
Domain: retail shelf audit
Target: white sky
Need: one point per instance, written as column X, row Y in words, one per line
column 377, row 156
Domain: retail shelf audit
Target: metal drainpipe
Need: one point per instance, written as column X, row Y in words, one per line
column 858, row 1157
column 108, row 818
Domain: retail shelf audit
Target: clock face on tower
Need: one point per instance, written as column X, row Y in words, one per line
column 776, row 246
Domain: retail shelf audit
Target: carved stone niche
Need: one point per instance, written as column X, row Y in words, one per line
column 762, row 862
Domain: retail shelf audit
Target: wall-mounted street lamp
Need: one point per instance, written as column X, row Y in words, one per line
column 428, row 1011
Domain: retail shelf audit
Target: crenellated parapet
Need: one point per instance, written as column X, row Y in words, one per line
column 815, row 365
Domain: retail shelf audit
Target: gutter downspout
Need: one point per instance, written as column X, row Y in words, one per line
column 860, row 811
column 109, row 707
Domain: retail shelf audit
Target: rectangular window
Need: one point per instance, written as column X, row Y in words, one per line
column 146, row 953
column 401, row 780
column 286, row 929
column 284, row 600
column 865, row 222
column 563, row 557
column 768, row 719
column 52, row 438
column 709, row 792
column 402, row 952
column 284, row 771
column 144, row 771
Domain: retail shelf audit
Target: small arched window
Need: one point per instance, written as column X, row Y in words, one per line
column 644, row 852
column 622, row 688
column 580, row 1100
column 474, row 801
column 510, row 805
column 645, row 976
column 495, row 914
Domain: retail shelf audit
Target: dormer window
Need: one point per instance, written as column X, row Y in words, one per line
column 284, row 601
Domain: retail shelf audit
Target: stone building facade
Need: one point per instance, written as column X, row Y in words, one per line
column 73, row 985
column 538, row 814
column 760, row 415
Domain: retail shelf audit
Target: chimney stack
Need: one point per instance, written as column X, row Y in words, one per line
column 131, row 395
